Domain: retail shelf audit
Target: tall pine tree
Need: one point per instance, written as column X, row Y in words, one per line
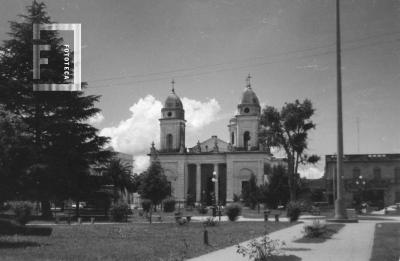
column 64, row 145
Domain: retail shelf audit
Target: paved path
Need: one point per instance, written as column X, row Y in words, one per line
column 352, row 243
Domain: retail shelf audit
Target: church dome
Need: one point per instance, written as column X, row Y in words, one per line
column 249, row 97
column 173, row 101
column 249, row 104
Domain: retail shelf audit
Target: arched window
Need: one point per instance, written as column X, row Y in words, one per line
column 397, row 175
column 356, row 173
column 232, row 138
column 169, row 141
column 246, row 138
column 377, row 173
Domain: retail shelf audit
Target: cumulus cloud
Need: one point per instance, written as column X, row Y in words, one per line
column 135, row 134
column 96, row 119
column 199, row 114
column 311, row 172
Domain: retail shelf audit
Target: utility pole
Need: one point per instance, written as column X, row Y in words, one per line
column 340, row 211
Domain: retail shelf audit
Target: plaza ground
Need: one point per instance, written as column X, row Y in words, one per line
column 375, row 237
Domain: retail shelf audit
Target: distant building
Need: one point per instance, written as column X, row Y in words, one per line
column 373, row 178
column 190, row 170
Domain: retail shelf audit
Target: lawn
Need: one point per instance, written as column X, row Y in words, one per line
column 386, row 242
column 139, row 241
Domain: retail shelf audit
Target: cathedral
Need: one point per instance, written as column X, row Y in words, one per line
column 213, row 169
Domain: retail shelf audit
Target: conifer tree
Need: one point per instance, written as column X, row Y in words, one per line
column 64, row 145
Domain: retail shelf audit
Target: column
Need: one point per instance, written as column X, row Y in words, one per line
column 229, row 180
column 198, row 182
column 180, row 182
column 186, row 182
column 216, row 190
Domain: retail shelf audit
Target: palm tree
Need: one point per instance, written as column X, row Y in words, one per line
column 118, row 174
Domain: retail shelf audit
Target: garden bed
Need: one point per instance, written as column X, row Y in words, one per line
column 331, row 229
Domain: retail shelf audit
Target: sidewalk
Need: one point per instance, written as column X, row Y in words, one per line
column 352, row 243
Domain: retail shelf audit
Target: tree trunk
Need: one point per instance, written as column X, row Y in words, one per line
column 292, row 185
column 77, row 208
column 46, row 210
column 150, row 214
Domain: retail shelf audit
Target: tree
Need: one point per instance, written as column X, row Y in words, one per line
column 64, row 145
column 14, row 156
column 288, row 129
column 250, row 193
column 118, row 174
column 276, row 191
column 154, row 184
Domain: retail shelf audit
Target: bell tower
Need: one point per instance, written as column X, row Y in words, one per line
column 172, row 124
column 243, row 128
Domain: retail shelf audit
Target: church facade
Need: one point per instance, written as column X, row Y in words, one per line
column 213, row 169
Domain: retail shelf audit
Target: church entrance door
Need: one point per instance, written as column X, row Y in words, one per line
column 207, row 186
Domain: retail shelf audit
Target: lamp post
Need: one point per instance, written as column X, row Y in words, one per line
column 216, row 193
column 361, row 182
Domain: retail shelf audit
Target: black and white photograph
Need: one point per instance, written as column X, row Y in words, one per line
column 202, row 130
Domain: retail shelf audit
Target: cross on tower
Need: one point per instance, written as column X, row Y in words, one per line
column 248, row 81
column 173, row 83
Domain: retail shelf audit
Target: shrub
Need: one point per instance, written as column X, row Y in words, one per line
column 236, row 198
column 190, row 200
column 210, row 222
column 182, row 221
column 305, row 205
column 202, row 209
column 22, row 211
column 233, row 211
column 119, row 212
column 293, row 210
column 314, row 230
column 146, row 204
column 169, row 205
column 261, row 250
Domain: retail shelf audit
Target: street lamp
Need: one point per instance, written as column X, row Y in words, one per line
column 361, row 183
column 216, row 194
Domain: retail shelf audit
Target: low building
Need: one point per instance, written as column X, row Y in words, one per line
column 371, row 178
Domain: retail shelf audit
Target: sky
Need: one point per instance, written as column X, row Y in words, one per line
column 133, row 49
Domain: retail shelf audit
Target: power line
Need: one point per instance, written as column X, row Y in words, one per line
column 240, row 67
column 241, row 60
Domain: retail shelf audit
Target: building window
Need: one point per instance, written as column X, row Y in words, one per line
column 246, row 138
column 356, row 173
column 232, row 138
column 377, row 173
column 246, row 110
column 169, row 141
column 169, row 114
column 397, row 175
